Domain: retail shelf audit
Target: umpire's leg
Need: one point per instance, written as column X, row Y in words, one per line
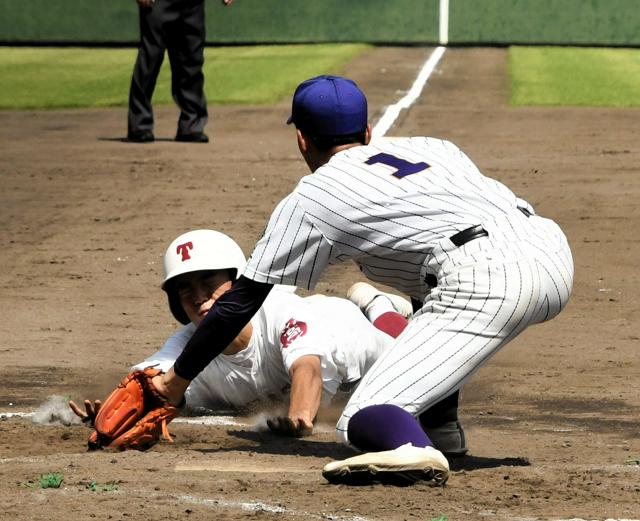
column 186, row 54
column 147, row 67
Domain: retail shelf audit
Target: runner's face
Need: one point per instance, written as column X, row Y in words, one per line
column 199, row 290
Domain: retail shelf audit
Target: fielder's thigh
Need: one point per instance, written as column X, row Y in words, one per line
column 554, row 263
column 477, row 310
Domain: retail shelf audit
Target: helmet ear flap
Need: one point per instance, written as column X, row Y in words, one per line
column 176, row 307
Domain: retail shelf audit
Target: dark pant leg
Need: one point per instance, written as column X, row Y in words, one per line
column 440, row 423
column 444, row 411
column 147, row 67
column 186, row 54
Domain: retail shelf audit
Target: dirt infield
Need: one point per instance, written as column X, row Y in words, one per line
column 553, row 420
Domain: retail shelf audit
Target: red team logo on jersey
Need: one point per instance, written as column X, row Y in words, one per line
column 183, row 249
column 292, row 330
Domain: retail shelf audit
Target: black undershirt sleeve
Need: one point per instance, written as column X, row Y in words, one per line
column 224, row 321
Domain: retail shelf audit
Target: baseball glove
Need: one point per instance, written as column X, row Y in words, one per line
column 134, row 415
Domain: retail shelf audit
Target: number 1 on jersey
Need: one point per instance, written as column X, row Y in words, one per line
column 402, row 166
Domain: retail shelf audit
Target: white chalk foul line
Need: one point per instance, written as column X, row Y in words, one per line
column 209, row 420
column 259, row 506
column 18, row 414
column 393, row 111
column 199, row 420
column 572, row 519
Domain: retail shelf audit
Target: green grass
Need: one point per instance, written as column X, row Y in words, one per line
column 576, row 76
column 49, row 78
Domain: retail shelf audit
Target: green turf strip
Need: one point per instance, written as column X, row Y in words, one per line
column 574, row 76
column 47, row 78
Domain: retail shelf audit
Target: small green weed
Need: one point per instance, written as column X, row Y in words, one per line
column 441, row 518
column 632, row 461
column 51, row 480
column 109, row 486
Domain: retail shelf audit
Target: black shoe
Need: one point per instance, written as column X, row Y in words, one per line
column 141, row 136
column 198, row 137
column 449, row 438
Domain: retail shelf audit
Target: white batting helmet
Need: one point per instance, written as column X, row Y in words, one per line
column 199, row 250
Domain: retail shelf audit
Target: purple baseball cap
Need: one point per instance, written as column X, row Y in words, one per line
column 329, row 106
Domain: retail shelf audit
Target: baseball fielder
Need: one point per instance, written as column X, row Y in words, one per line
column 415, row 214
column 307, row 347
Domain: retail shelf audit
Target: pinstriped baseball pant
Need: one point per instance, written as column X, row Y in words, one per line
column 491, row 291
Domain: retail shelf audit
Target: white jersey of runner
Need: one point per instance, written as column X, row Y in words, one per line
column 392, row 207
column 285, row 328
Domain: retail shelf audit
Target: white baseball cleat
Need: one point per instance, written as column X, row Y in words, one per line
column 363, row 293
column 402, row 466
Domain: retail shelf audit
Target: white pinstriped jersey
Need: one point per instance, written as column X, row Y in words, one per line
column 386, row 206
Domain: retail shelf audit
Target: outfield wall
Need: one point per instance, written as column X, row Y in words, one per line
column 499, row 22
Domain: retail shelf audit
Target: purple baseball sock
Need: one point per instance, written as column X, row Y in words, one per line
column 385, row 427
